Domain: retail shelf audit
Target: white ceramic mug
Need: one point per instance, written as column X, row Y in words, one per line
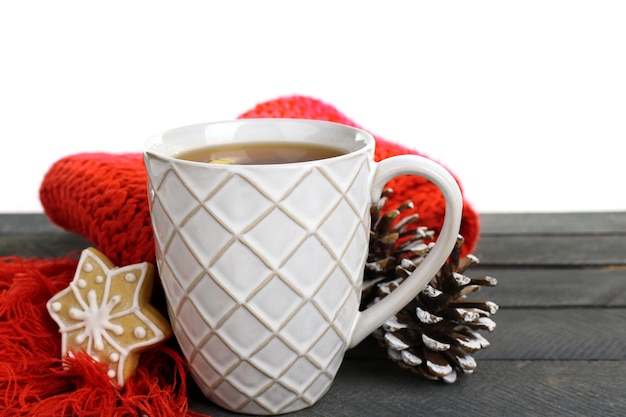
column 262, row 265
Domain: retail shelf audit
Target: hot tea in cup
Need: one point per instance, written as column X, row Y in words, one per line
column 261, row 153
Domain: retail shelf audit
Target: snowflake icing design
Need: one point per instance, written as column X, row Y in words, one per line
column 105, row 312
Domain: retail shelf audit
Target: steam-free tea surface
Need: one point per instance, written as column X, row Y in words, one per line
column 261, row 153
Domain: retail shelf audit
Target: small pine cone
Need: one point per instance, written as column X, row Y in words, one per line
column 436, row 334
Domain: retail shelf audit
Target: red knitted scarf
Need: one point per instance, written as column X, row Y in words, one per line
column 103, row 198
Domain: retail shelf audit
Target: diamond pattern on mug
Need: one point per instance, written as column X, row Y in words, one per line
column 353, row 259
column 254, row 408
column 224, row 358
column 186, row 269
column 305, row 275
column 317, row 388
column 274, row 303
column 186, row 346
column 302, row 200
column 276, row 398
column 238, row 204
column 348, row 311
column 273, row 183
column 163, row 227
column 334, row 365
column 195, row 328
column 244, row 332
column 157, row 167
column 240, row 271
column 338, row 228
column 332, row 296
column 182, row 201
column 200, row 182
column 231, row 395
column 274, row 236
column 274, row 358
column 344, row 172
column 353, row 187
column 304, row 328
column 206, row 235
column 172, row 287
column 211, row 376
column 211, row 300
column 300, row 374
column 326, row 348
column 251, row 380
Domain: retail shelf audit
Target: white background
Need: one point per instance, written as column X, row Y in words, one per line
column 525, row 101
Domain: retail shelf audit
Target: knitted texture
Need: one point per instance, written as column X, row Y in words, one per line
column 36, row 381
column 103, row 197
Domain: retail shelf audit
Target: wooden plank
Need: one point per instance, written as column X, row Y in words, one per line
column 542, row 334
column 42, row 245
column 22, row 223
column 552, row 250
column 33, row 235
column 553, row 287
column 553, row 223
column 497, row 388
column 558, row 334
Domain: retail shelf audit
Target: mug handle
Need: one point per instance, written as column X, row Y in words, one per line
column 373, row 317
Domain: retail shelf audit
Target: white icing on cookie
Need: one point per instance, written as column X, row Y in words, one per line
column 139, row 332
column 96, row 320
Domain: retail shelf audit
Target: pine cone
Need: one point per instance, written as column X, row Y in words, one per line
column 436, row 334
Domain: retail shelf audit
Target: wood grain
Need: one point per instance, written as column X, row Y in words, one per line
column 42, row 244
column 552, row 250
column 554, row 287
column 507, row 224
column 497, row 388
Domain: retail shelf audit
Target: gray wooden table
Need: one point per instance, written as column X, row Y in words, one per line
column 560, row 344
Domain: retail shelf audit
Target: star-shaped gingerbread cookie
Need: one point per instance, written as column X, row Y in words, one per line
column 106, row 312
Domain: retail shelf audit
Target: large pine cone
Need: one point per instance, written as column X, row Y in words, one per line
column 436, row 334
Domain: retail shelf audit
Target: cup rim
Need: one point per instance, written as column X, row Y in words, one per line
column 158, row 145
